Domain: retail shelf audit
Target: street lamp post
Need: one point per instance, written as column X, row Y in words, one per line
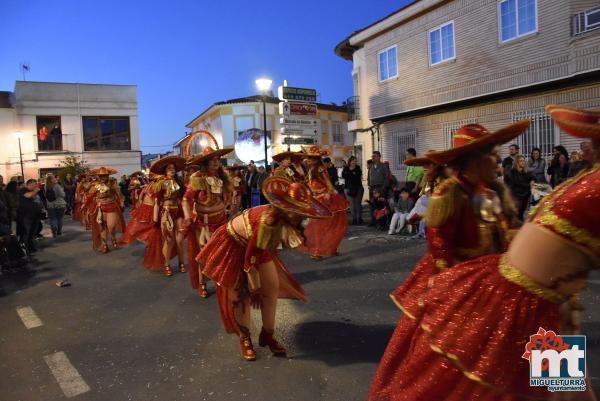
column 19, row 135
column 264, row 85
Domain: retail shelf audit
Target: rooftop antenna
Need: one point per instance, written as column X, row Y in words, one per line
column 24, row 68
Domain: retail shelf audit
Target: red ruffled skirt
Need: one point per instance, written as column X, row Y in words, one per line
column 323, row 236
column 222, row 260
column 476, row 320
column 193, row 247
column 141, row 228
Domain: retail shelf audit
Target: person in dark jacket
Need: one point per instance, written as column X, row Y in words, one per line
column 556, row 151
column 331, row 171
column 537, row 166
column 508, row 162
column 11, row 199
column 68, row 184
column 562, row 170
column 354, row 189
column 520, row 184
column 28, row 214
column 5, row 228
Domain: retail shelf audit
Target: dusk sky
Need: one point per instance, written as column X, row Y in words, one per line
column 183, row 55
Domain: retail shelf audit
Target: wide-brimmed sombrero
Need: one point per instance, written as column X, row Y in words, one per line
column 137, row 174
column 103, row 171
column 471, row 137
column 314, row 151
column 279, row 157
column 294, row 198
column 418, row 161
column 159, row 165
column 576, row 122
column 209, row 153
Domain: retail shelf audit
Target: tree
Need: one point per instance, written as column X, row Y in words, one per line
column 73, row 165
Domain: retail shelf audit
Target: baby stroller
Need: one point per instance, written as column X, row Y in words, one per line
column 538, row 191
column 13, row 254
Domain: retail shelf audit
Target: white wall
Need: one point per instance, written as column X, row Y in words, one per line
column 71, row 102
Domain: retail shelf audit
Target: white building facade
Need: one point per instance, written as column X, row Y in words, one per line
column 226, row 120
column 97, row 123
column 434, row 65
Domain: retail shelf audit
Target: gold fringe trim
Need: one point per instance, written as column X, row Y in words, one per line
column 455, row 360
column 402, row 308
column 444, row 202
column 515, row 276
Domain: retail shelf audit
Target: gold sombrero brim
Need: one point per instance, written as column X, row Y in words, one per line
column 215, row 154
column 163, row 162
column 292, row 155
column 103, row 171
column 279, row 199
column 576, row 122
column 499, row 137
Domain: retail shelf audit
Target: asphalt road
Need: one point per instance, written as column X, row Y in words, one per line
column 123, row 333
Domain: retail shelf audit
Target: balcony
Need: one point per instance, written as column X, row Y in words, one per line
column 353, row 108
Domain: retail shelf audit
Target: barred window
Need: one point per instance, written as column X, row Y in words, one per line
column 541, row 133
column 401, row 140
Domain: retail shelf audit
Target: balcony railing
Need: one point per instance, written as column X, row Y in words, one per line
column 353, row 107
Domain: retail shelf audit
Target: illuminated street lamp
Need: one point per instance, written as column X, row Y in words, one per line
column 19, row 135
column 264, row 85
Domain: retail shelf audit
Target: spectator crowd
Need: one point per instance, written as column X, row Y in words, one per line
column 25, row 206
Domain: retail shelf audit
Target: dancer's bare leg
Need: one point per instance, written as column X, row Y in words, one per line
column 112, row 222
column 168, row 242
column 179, row 243
column 269, row 292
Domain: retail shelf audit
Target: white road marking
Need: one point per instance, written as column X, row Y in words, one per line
column 68, row 378
column 29, row 318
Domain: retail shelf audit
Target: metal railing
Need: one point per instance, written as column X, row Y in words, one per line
column 353, row 107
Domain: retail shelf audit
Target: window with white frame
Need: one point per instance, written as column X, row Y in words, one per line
column 586, row 21
column 541, row 133
column 388, row 63
column 517, row 18
column 336, row 133
column 441, row 43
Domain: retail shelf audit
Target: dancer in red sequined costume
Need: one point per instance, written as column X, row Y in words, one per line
column 323, row 236
column 105, row 209
column 80, row 190
column 205, row 205
column 242, row 258
column 290, row 166
column 239, row 188
column 136, row 182
column 167, row 192
column 478, row 316
column 141, row 227
column 468, row 216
